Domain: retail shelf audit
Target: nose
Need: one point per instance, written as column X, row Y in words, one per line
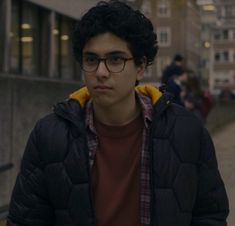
column 102, row 70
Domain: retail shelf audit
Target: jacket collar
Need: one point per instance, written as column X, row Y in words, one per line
column 82, row 95
column 73, row 108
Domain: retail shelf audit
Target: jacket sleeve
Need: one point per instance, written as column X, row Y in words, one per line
column 211, row 207
column 29, row 203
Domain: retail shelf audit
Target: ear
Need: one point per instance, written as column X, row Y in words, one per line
column 141, row 69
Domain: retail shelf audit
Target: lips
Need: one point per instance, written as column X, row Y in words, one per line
column 102, row 87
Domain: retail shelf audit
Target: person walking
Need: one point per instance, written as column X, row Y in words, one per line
column 175, row 85
column 117, row 154
column 196, row 99
column 168, row 72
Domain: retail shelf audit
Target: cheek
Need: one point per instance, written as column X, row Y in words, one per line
column 88, row 80
column 126, row 84
column 88, row 83
column 123, row 80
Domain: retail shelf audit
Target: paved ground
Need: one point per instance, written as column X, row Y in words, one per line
column 224, row 141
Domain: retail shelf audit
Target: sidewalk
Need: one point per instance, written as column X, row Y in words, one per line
column 224, row 141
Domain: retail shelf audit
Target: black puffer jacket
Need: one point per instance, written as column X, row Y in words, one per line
column 53, row 187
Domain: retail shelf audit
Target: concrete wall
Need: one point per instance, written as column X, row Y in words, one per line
column 22, row 102
column 72, row 8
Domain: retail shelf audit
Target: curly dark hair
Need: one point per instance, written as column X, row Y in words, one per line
column 121, row 20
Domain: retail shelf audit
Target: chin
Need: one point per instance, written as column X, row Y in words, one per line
column 103, row 102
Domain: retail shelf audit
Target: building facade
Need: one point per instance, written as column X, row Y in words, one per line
column 37, row 38
column 178, row 28
column 222, row 74
column 218, row 44
column 208, row 15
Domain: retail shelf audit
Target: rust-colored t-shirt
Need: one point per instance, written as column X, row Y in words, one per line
column 116, row 174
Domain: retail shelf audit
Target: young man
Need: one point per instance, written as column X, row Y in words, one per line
column 115, row 154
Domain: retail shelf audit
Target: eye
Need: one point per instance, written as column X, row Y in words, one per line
column 90, row 60
column 115, row 60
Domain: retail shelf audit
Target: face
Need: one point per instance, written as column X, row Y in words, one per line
column 108, row 88
column 183, row 77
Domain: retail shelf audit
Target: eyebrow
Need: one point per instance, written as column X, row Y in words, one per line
column 116, row 52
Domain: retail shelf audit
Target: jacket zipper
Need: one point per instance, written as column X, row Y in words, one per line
column 152, row 157
column 151, row 178
column 88, row 169
column 90, row 187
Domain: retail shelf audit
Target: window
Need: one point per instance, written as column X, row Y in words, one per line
column 225, row 34
column 217, row 80
column 222, row 56
column 66, row 67
column 31, row 43
column 28, row 39
column 164, row 36
column 225, row 56
column 221, row 35
column 217, row 57
column 164, row 9
column 162, row 62
column 229, row 11
column 217, row 36
column 14, row 38
column 225, row 81
column 4, row 35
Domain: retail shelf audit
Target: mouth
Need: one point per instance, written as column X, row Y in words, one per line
column 102, row 88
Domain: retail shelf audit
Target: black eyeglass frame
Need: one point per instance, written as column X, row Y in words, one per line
column 104, row 60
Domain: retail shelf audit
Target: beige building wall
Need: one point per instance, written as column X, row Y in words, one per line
column 192, row 33
column 183, row 23
column 222, row 74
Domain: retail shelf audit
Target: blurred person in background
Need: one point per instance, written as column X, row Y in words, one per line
column 168, row 72
column 192, row 103
column 114, row 154
column 198, row 100
column 176, row 84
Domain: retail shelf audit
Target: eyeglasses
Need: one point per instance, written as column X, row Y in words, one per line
column 114, row 64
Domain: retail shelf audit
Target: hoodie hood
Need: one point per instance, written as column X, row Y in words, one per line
column 72, row 109
column 82, row 95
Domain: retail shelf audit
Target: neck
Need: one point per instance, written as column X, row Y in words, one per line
column 119, row 114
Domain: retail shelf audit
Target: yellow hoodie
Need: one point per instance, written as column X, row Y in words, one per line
column 82, row 95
